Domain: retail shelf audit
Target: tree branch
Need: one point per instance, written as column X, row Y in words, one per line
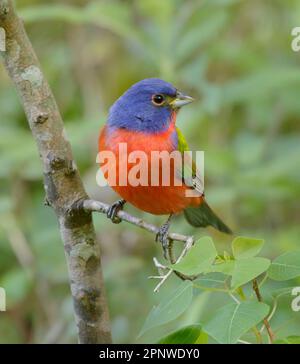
column 63, row 186
column 97, row 206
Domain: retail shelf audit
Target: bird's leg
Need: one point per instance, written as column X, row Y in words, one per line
column 114, row 209
column 162, row 235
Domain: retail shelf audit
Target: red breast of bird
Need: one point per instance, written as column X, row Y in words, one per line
column 158, row 199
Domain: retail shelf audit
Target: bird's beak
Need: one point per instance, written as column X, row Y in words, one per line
column 181, row 100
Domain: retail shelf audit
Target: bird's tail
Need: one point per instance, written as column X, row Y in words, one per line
column 203, row 216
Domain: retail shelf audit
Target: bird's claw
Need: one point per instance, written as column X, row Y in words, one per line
column 113, row 211
column 162, row 237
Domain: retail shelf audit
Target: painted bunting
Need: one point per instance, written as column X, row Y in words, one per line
column 144, row 118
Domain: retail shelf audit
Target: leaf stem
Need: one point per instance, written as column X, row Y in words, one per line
column 265, row 320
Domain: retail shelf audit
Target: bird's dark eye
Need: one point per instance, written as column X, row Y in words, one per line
column 158, row 99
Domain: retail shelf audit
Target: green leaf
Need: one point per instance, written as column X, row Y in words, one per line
column 115, row 17
column 242, row 270
column 282, row 291
column 170, row 308
column 243, row 247
column 68, row 13
column 198, row 259
column 260, row 84
column 202, row 32
column 247, row 269
column 232, row 321
column 285, row 267
column 224, row 267
column 289, row 340
column 192, row 334
column 210, row 280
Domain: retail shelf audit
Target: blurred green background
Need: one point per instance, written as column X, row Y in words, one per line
column 235, row 58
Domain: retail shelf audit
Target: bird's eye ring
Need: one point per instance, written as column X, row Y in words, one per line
column 158, row 99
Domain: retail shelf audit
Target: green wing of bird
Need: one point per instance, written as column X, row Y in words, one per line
column 188, row 172
column 202, row 215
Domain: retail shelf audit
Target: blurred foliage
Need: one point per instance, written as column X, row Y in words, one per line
column 235, row 57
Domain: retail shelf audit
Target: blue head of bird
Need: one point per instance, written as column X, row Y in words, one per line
column 147, row 106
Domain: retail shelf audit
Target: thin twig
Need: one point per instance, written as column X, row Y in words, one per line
column 265, row 320
column 189, row 243
column 172, row 259
column 92, row 205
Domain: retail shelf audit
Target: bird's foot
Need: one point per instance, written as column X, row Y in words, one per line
column 162, row 236
column 114, row 209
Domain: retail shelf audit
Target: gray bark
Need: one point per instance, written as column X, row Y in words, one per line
column 63, row 186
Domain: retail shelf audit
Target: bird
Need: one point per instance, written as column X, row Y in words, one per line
column 144, row 119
